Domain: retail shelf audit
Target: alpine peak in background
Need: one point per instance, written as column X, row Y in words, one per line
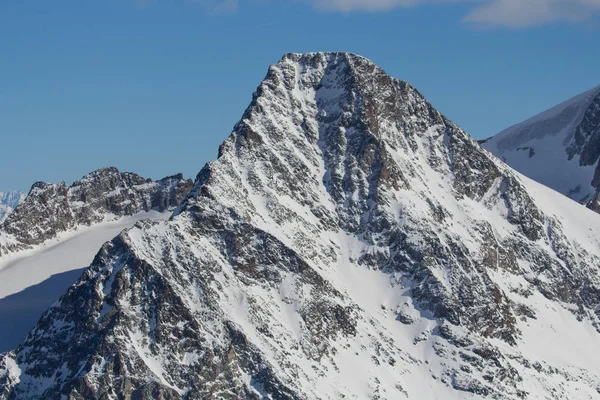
column 348, row 242
column 9, row 201
column 559, row 148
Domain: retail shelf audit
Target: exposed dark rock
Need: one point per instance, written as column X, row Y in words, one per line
column 50, row 209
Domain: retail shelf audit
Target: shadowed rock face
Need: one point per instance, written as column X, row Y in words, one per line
column 50, row 209
column 587, row 145
column 586, row 141
column 348, row 241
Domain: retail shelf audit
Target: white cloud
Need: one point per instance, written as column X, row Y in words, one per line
column 362, row 5
column 509, row 13
column 522, row 13
column 373, row 5
column 226, row 6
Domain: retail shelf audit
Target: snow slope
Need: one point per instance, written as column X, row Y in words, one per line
column 31, row 280
column 71, row 250
column 544, row 147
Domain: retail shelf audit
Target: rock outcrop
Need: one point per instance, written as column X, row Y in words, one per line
column 50, row 209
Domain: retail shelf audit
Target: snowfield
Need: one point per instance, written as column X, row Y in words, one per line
column 538, row 147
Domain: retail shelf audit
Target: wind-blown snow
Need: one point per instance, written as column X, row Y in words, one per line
column 71, row 250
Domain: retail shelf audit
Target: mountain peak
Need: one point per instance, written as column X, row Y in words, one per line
column 341, row 104
column 344, row 86
column 554, row 121
column 328, row 56
column 12, row 198
column 349, row 241
column 559, row 148
column 330, row 63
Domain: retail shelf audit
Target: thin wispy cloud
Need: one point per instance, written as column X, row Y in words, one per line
column 373, row 5
column 211, row 6
column 523, row 13
column 216, row 6
column 487, row 13
column 501, row 13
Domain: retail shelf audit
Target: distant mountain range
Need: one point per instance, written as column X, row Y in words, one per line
column 349, row 242
column 559, row 148
column 9, row 201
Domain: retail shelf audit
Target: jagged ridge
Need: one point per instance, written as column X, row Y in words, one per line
column 50, row 209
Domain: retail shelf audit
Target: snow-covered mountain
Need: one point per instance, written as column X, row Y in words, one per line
column 348, row 242
column 559, row 148
column 9, row 201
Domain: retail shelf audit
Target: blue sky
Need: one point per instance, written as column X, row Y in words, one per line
column 154, row 86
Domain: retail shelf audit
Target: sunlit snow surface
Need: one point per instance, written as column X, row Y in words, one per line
column 555, row 338
column 537, row 147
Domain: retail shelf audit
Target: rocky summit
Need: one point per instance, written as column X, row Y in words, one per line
column 51, row 209
column 349, row 242
column 559, row 148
